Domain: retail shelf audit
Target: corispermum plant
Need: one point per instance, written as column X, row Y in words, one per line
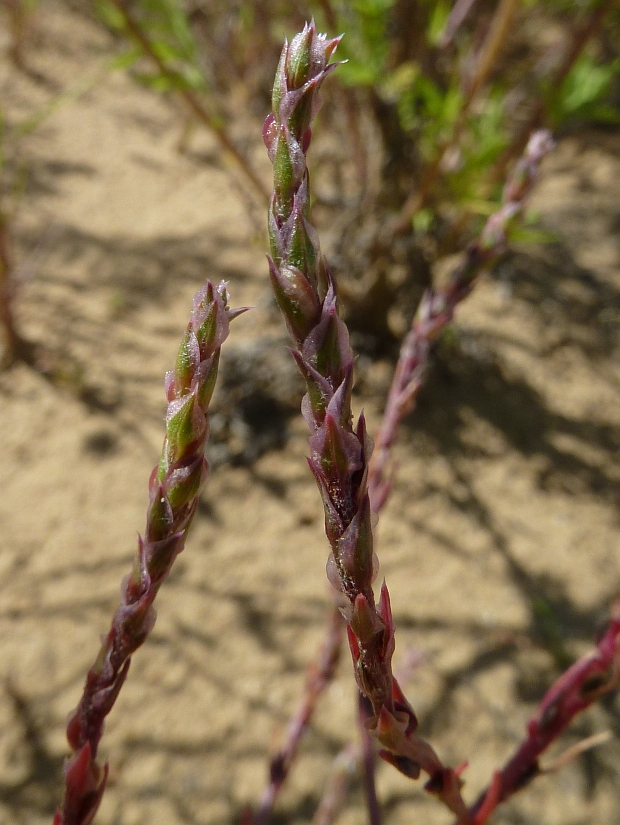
column 352, row 480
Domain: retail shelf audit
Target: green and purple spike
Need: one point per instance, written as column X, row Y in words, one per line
column 174, row 489
column 339, row 451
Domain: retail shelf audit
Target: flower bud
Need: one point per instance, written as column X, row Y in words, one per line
column 300, row 250
column 183, row 483
column 299, row 58
column 160, row 516
column 365, row 622
column 185, row 424
column 187, row 361
column 279, row 83
column 296, row 298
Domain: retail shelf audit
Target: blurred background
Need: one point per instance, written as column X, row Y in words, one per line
column 132, row 168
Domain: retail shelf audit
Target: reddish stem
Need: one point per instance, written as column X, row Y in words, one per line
column 368, row 760
column 581, row 36
column 7, row 318
column 437, row 308
column 192, row 101
column 595, row 674
column 320, row 673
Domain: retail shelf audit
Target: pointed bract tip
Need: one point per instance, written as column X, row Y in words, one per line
column 235, row 313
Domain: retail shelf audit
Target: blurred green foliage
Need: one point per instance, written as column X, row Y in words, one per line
column 166, row 25
column 584, row 96
column 450, row 100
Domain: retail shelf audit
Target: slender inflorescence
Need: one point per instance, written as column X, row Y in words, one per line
column 589, row 678
column 409, row 375
column 318, row 676
column 339, row 451
column 11, row 341
column 408, row 378
column 174, row 488
column 437, row 306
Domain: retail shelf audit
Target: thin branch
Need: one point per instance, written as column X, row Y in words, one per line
column 345, row 766
column 581, row 36
column 589, row 678
column 457, row 17
column 437, row 308
column 319, row 675
column 7, row 319
column 368, row 761
column 352, row 756
column 489, row 52
column 574, row 751
column 192, row 101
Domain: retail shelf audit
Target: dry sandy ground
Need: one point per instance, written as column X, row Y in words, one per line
column 500, row 543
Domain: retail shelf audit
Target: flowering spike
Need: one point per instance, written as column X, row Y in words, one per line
column 340, row 452
column 336, row 451
column 160, row 514
column 284, row 169
column 355, row 549
column 306, row 295
column 174, row 488
column 340, row 403
column 333, row 574
column 354, row 645
column 183, row 483
column 84, row 787
column 203, row 382
column 319, row 390
column 185, row 424
column 300, row 251
column 404, row 764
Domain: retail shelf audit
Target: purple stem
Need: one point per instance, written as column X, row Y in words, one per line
column 320, row 673
column 369, row 761
column 437, row 308
column 589, row 678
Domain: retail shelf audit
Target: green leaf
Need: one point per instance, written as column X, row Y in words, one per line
column 583, row 91
column 110, row 15
column 531, row 236
column 126, row 59
column 437, row 22
column 423, row 220
column 606, row 113
column 366, row 46
column 400, row 81
column 157, row 82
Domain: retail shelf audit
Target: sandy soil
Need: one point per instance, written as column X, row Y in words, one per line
column 500, row 543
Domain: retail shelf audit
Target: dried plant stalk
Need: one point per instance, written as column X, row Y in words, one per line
column 494, row 42
column 319, row 674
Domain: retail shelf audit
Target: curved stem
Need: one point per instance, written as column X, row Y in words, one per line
column 193, row 102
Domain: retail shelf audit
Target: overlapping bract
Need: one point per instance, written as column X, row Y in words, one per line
column 173, row 496
column 339, row 451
